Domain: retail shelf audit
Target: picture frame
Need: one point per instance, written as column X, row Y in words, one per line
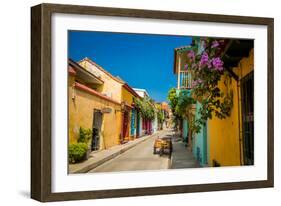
column 41, row 101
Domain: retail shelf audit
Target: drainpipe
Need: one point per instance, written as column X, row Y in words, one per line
column 239, row 122
column 239, row 115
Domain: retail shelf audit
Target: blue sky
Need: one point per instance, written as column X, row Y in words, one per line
column 142, row 60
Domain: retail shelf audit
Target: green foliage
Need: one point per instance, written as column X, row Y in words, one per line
column 181, row 106
column 146, row 108
column 184, row 106
column 160, row 116
column 85, row 135
column 180, row 103
column 173, row 99
column 173, row 102
column 160, row 113
column 206, row 67
column 77, row 152
column 185, row 109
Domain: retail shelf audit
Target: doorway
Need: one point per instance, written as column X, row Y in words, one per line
column 125, row 126
column 133, row 117
column 247, row 94
column 97, row 123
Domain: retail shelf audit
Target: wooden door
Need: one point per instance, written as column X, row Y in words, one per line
column 97, row 123
column 125, row 130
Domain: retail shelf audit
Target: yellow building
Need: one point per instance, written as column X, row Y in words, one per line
column 231, row 140
column 112, row 86
column 94, row 102
column 129, row 114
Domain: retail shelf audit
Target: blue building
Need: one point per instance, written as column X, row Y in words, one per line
column 197, row 142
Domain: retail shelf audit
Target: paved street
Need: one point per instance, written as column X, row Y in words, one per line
column 181, row 156
column 140, row 157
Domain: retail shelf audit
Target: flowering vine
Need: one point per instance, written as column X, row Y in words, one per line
column 206, row 66
column 145, row 106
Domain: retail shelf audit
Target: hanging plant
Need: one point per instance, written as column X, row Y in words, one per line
column 184, row 105
column 146, row 108
column 207, row 67
column 173, row 102
column 160, row 113
column 160, row 116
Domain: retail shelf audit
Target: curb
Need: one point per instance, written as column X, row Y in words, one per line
column 89, row 167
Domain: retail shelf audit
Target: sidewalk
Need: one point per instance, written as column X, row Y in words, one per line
column 100, row 157
column 181, row 157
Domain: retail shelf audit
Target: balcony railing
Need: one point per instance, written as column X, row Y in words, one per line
column 185, row 80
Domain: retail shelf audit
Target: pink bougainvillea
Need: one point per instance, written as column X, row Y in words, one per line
column 207, row 67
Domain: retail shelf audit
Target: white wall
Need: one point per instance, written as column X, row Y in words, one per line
column 15, row 103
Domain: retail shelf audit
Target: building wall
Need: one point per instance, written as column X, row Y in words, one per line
column 200, row 141
column 223, row 135
column 111, row 87
column 81, row 110
column 133, row 123
column 127, row 97
column 141, row 92
column 245, row 66
column 154, row 123
column 140, row 126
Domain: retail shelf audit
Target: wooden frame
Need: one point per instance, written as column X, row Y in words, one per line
column 41, row 101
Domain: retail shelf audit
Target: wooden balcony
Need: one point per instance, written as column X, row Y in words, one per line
column 184, row 80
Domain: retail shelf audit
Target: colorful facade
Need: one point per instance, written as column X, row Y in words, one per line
column 165, row 109
column 129, row 115
column 229, row 141
column 91, row 109
column 194, row 142
column 103, row 103
column 235, row 131
column 155, row 123
column 112, row 86
column 145, row 126
column 199, row 141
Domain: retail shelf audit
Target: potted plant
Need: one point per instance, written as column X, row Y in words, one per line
column 85, row 136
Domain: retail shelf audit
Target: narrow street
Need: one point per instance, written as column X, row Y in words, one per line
column 140, row 157
column 114, row 124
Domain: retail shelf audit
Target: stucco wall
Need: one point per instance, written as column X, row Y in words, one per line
column 200, row 141
column 245, row 66
column 155, row 123
column 111, row 86
column 127, row 97
column 223, row 135
column 140, row 126
column 81, row 110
